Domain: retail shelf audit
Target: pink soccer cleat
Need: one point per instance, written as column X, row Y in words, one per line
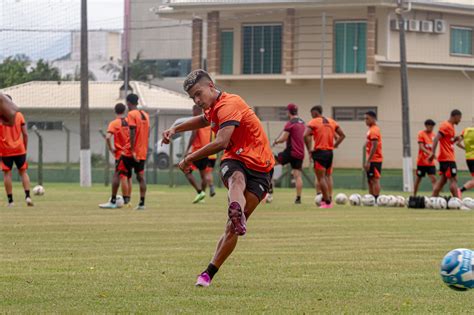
column 203, row 280
column 325, row 205
column 237, row 218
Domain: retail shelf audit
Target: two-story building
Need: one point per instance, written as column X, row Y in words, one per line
column 276, row 52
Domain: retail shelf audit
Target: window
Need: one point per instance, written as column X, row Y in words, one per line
column 272, row 113
column 461, row 41
column 350, row 47
column 351, row 113
column 46, row 125
column 262, row 51
column 227, row 52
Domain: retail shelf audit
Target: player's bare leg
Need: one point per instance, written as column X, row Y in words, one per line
column 468, row 185
column 323, row 184
column 439, row 185
column 237, row 201
column 227, row 242
column 115, row 186
column 25, row 181
column 330, row 182
column 200, row 194
column 298, row 184
column 371, row 186
column 7, row 181
column 142, row 184
column 376, row 187
column 453, row 187
column 204, row 179
column 210, row 181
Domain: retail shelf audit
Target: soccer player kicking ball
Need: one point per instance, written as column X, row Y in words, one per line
column 446, row 138
column 246, row 162
column 119, row 130
column 199, row 138
column 467, row 136
column 13, row 145
column 423, row 165
column 374, row 157
column 324, row 131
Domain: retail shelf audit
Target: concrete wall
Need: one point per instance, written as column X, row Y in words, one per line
column 54, row 142
column 429, row 98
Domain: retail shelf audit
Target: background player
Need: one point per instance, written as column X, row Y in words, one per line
column 467, row 143
column 424, row 166
column 7, row 110
column 374, row 156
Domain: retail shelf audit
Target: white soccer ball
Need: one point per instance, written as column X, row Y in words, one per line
column 454, row 203
column 38, row 190
column 442, row 203
column 400, row 201
column 355, row 200
column 434, row 203
column 457, row 269
column 368, row 200
column 382, row 201
column 392, row 201
column 318, row 199
column 119, row 201
column 341, row 199
column 428, row 204
column 468, row 202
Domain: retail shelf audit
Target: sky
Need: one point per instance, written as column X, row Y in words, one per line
column 53, row 15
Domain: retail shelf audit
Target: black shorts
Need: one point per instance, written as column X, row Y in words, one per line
column 257, row 183
column 323, row 159
column 470, row 165
column 421, row 171
column 285, row 158
column 212, row 163
column 19, row 160
column 127, row 164
column 448, row 169
column 201, row 164
column 375, row 170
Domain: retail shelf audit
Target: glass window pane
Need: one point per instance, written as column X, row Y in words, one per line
column 247, row 49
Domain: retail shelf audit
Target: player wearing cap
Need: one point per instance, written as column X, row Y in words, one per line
column 293, row 154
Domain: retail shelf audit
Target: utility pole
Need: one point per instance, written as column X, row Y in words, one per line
column 323, row 44
column 85, row 153
column 407, row 161
column 126, row 47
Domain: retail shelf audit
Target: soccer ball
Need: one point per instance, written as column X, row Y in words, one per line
column 355, row 200
column 457, row 269
column 368, row 200
column 38, row 190
column 119, row 201
column 400, row 201
column 318, row 199
column 428, row 204
column 468, row 203
column 341, row 199
column 441, row 203
column 382, row 201
column 392, row 201
column 454, row 203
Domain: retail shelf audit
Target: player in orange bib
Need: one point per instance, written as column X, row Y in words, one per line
column 13, row 146
column 374, row 157
column 447, row 138
column 7, row 110
column 424, row 166
column 199, row 139
column 246, row 163
column 119, row 130
column 327, row 136
column 139, row 124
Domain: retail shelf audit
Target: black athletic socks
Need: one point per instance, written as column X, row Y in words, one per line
column 211, row 270
column 126, row 199
column 27, row 194
column 142, row 201
column 113, row 199
column 463, row 189
column 10, row 198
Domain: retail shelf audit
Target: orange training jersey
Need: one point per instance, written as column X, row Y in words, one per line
column 204, row 136
column 11, row 138
column 139, row 119
column 248, row 143
column 120, row 130
column 374, row 134
column 324, row 131
column 426, row 140
column 446, row 142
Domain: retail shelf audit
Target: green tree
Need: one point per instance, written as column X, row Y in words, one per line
column 43, row 71
column 14, row 70
column 139, row 70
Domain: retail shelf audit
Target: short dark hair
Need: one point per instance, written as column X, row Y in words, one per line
column 194, row 77
column 132, row 99
column 119, row 108
column 456, row 112
column 317, row 108
column 429, row 122
column 372, row 114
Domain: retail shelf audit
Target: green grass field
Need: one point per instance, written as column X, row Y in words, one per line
column 67, row 256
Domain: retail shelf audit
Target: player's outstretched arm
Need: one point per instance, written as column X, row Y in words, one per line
column 7, row 110
column 196, row 122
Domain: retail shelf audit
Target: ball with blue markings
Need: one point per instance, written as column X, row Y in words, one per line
column 457, row 269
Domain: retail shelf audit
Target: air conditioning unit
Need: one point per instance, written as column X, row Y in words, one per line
column 427, row 26
column 413, row 25
column 439, row 26
column 394, row 25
